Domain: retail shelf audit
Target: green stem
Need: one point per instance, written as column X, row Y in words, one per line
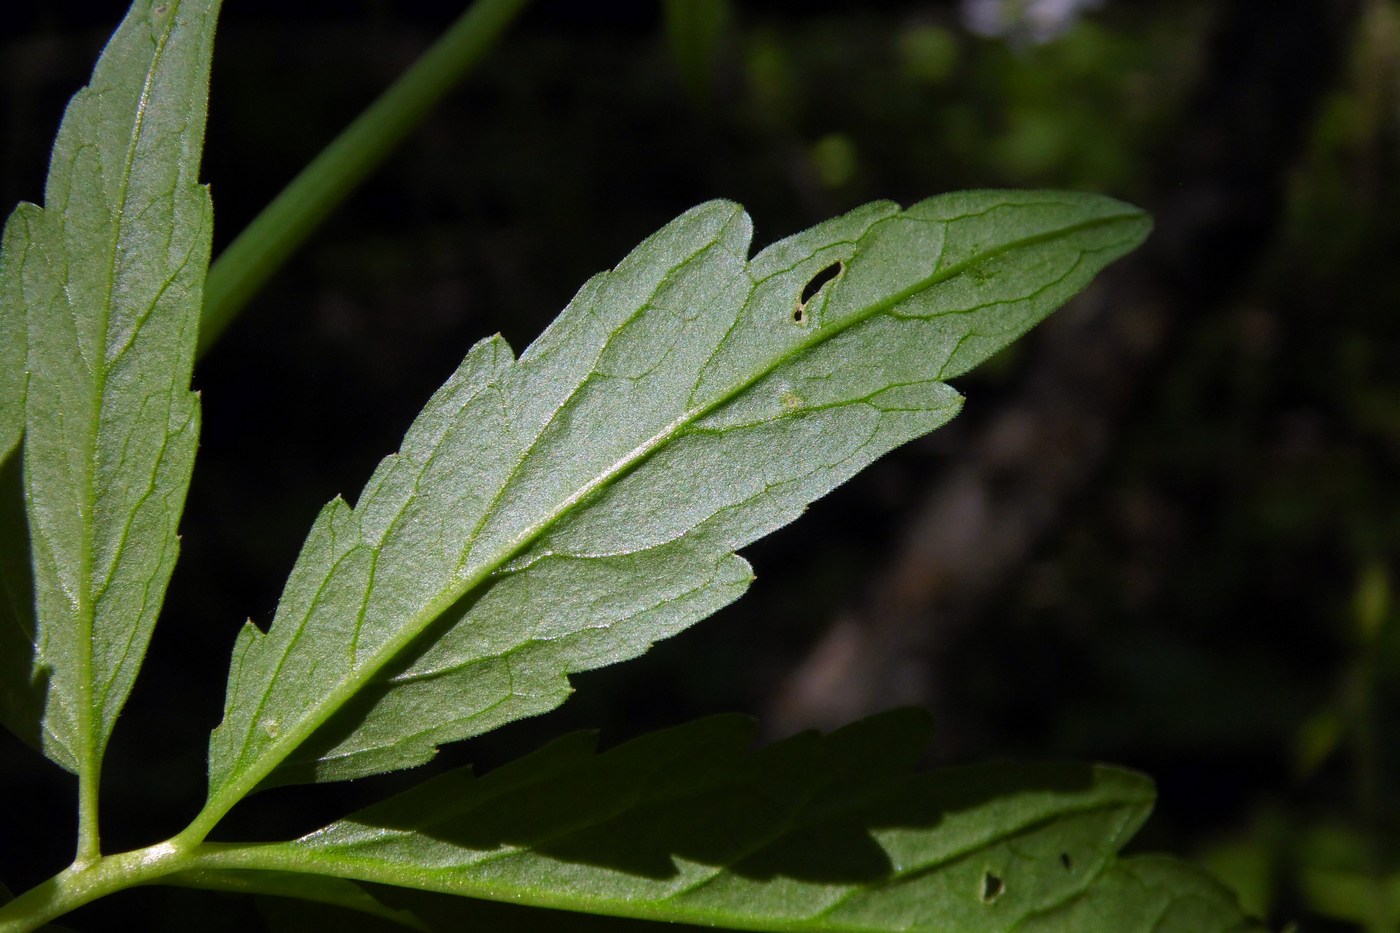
column 89, row 838
column 277, row 232
column 81, row 884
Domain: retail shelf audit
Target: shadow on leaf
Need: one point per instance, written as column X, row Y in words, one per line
column 808, row 808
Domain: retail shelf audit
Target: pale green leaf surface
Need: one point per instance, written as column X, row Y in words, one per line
column 13, row 247
column 336, row 892
column 110, row 274
column 565, row 510
column 835, row 833
column 21, row 693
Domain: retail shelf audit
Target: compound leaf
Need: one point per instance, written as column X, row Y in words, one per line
column 824, row 834
column 565, row 510
column 109, row 275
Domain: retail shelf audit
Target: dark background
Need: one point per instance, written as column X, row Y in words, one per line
column 1163, row 533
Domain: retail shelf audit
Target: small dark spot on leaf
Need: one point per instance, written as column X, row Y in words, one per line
column 992, row 887
column 799, row 314
column 820, row 279
column 1066, row 861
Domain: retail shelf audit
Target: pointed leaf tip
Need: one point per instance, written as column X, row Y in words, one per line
column 565, row 510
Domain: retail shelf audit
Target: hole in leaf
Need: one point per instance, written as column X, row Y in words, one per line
column 799, row 314
column 818, row 280
column 992, row 887
column 1066, row 861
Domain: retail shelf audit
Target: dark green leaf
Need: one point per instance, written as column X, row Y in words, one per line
column 831, row 834
column 322, row 890
column 22, row 686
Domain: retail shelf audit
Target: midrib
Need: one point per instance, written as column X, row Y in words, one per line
column 364, row 674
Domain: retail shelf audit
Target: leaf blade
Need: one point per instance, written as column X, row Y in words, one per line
column 320, row 889
column 685, row 403
column 14, row 245
column 110, row 285
column 837, row 833
column 21, row 693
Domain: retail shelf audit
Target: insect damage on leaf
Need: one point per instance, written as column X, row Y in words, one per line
column 562, row 511
column 810, row 290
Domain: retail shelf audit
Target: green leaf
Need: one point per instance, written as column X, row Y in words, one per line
column 336, row 892
column 14, row 245
column 1151, row 893
column 21, row 692
column 109, row 275
column 564, row 511
column 833, row 834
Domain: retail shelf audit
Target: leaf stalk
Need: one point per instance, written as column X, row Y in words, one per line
column 89, row 837
column 79, row 884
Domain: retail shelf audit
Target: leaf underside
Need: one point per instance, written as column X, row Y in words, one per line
column 565, row 510
column 108, row 278
column 335, row 892
column 834, row 833
column 12, row 338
